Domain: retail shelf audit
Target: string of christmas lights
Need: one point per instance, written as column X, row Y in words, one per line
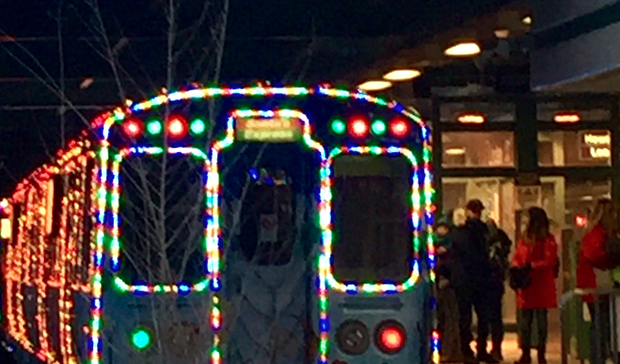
column 115, row 247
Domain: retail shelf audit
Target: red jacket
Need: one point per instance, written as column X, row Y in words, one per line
column 592, row 252
column 543, row 256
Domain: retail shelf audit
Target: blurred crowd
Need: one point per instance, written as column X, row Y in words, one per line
column 477, row 259
column 474, row 264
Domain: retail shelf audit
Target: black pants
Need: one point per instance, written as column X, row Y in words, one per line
column 600, row 341
column 468, row 298
column 525, row 326
column 495, row 296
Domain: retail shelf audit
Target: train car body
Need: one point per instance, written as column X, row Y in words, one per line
column 47, row 259
column 311, row 240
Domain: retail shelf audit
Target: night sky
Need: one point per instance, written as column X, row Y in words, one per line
column 267, row 39
column 144, row 24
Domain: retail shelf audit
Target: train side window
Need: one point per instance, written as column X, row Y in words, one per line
column 54, row 209
column 5, row 226
column 17, row 212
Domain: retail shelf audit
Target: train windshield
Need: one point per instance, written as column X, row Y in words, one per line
column 162, row 212
column 372, row 232
column 270, row 185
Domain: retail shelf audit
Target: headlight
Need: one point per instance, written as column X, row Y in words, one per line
column 352, row 337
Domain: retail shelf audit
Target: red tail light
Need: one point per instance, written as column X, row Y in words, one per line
column 390, row 337
column 177, row 126
column 359, row 128
column 132, row 128
column 399, row 128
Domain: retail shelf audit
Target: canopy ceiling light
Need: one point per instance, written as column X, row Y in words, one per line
column 455, row 151
column 463, row 49
column 502, row 33
column 471, row 117
column 402, row 75
column 374, row 85
column 567, row 117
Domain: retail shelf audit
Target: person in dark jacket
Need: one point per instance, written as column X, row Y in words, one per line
column 470, row 278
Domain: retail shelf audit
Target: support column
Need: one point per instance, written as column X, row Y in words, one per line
column 437, row 153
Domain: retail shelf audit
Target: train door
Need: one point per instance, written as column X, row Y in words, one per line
column 266, row 172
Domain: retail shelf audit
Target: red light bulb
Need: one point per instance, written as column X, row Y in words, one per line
column 399, row 128
column 392, row 339
column 359, row 128
column 176, row 126
column 581, row 221
column 132, row 128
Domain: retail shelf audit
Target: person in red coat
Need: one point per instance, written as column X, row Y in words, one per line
column 591, row 274
column 539, row 251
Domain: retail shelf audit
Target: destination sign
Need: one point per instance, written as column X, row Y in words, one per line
column 269, row 130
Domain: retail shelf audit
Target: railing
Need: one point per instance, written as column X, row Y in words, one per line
column 604, row 339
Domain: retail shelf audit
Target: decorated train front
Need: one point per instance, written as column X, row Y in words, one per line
column 228, row 225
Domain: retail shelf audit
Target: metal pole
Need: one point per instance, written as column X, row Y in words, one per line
column 612, row 328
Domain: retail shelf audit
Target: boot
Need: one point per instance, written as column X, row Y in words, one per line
column 487, row 358
column 541, row 355
column 525, row 357
column 483, row 356
column 496, row 353
column 468, row 357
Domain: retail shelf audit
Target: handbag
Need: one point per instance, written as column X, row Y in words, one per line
column 519, row 277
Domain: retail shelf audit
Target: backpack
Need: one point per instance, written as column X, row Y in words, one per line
column 498, row 246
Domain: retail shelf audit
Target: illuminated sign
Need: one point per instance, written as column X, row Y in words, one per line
column 274, row 130
column 595, row 146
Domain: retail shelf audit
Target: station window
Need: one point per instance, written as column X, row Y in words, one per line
column 478, row 149
column 372, row 233
column 492, row 111
column 574, row 148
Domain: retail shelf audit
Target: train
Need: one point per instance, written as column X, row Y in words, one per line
column 228, row 224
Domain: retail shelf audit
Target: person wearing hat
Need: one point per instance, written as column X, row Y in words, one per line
column 470, row 273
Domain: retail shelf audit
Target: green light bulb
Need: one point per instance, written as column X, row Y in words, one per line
column 154, row 127
column 338, row 126
column 378, row 127
column 141, row 339
column 197, row 127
